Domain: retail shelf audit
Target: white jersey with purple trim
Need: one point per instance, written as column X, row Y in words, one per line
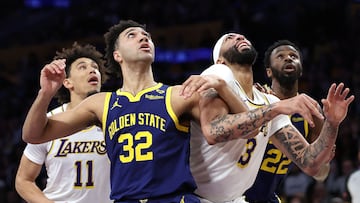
column 224, row 171
column 77, row 166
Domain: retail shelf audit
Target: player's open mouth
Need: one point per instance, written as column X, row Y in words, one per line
column 289, row 68
column 93, row 80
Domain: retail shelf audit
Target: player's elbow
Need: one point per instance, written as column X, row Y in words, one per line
column 323, row 172
column 211, row 141
column 19, row 184
column 28, row 138
column 210, row 138
column 312, row 170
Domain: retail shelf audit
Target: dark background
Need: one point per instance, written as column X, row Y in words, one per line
column 184, row 32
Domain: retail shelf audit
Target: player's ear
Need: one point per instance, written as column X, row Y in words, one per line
column 117, row 56
column 67, row 83
column 221, row 60
column 269, row 72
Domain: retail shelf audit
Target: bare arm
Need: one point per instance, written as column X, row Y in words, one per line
column 38, row 128
column 220, row 126
column 308, row 157
column 85, row 114
column 213, row 92
column 313, row 135
column 201, row 83
column 25, row 182
column 51, row 78
column 243, row 125
column 213, row 108
column 311, row 157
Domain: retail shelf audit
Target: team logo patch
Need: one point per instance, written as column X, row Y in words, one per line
column 116, row 104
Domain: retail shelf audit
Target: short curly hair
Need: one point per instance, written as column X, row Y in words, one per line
column 71, row 55
column 274, row 46
column 111, row 38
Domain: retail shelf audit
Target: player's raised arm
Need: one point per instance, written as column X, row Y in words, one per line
column 51, row 79
column 39, row 128
column 311, row 157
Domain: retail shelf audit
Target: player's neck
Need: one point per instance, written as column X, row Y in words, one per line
column 285, row 92
column 74, row 100
column 137, row 77
column 244, row 76
column 138, row 82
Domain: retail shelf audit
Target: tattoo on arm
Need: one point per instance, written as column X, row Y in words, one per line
column 210, row 93
column 233, row 126
column 288, row 138
column 306, row 155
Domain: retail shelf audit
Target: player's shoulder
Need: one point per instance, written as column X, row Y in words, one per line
column 269, row 97
column 222, row 71
column 180, row 104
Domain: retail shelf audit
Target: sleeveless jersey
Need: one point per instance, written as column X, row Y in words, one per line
column 224, row 171
column 273, row 169
column 77, row 167
column 148, row 148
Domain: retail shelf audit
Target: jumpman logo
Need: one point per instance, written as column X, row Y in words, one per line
column 116, row 104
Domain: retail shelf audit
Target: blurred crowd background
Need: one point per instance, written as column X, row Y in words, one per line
column 184, row 32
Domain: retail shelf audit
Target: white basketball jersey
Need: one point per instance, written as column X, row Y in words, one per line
column 224, row 171
column 77, row 166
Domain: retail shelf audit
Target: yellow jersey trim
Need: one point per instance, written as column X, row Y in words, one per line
column 105, row 111
column 171, row 111
column 137, row 97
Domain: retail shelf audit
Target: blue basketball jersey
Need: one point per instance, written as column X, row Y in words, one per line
column 147, row 146
column 273, row 169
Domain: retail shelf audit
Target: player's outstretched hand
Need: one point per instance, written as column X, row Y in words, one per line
column 336, row 104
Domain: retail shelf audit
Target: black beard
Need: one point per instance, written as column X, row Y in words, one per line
column 246, row 57
column 286, row 80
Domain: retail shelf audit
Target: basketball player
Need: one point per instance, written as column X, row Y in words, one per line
column 224, row 171
column 146, row 123
column 77, row 167
column 283, row 64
